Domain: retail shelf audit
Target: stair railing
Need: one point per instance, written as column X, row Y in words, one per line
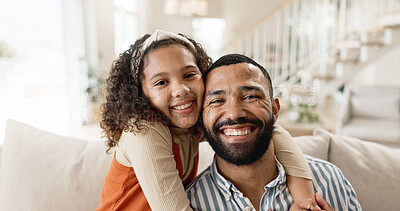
column 301, row 43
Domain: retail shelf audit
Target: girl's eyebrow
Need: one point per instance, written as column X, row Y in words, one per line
column 189, row 67
column 164, row 73
column 158, row 74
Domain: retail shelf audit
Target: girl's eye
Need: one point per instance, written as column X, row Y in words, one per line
column 160, row 83
column 189, row 75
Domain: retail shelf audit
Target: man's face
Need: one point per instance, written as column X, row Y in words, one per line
column 238, row 114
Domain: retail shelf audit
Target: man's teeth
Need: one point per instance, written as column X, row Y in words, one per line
column 181, row 107
column 233, row 132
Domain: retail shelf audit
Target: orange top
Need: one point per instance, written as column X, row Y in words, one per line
column 122, row 191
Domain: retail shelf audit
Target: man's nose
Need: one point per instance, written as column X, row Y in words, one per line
column 234, row 110
column 180, row 89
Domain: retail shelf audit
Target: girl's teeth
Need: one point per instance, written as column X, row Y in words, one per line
column 181, row 107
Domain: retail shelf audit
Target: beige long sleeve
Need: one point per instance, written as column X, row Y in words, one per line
column 289, row 154
column 152, row 158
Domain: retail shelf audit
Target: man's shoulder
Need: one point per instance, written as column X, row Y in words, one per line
column 323, row 168
column 316, row 162
column 204, row 176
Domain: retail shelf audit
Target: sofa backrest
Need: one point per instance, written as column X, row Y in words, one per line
column 372, row 169
column 44, row 171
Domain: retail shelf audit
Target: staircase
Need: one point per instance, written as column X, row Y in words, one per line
column 311, row 48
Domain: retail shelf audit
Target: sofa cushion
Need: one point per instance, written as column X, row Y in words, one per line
column 372, row 169
column 44, row 171
column 378, row 131
column 381, row 107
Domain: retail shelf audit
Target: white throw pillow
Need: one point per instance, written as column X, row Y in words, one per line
column 44, row 171
column 316, row 145
column 372, row 169
column 206, row 156
column 385, row 107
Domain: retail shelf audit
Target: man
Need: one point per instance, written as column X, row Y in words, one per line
column 238, row 115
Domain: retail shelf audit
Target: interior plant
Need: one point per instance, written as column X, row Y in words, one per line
column 94, row 94
column 304, row 112
column 94, row 88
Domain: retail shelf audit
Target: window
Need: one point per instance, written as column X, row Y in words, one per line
column 32, row 61
column 126, row 23
column 208, row 32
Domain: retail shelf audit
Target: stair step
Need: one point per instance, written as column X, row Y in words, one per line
column 390, row 18
column 297, row 89
column 313, row 74
column 393, row 26
column 335, row 60
column 349, row 44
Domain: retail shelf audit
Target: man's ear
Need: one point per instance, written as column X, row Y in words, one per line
column 275, row 108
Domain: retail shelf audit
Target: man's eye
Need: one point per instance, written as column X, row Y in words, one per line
column 160, row 83
column 249, row 97
column 216, row 101
column 189, row 75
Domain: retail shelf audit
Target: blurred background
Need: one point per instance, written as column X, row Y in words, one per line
column 55, row 55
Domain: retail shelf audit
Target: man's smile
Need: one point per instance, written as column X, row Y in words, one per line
column 238, row 132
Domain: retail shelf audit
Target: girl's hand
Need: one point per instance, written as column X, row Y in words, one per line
column 307, row 204
column 322, row 203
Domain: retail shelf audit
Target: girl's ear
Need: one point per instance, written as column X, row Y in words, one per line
column 275, row 108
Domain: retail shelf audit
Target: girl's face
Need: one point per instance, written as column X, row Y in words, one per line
column 173, row 84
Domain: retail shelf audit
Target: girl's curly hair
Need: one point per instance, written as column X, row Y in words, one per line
column 126, row 108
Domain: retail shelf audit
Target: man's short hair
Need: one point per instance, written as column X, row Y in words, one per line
column 236, row 59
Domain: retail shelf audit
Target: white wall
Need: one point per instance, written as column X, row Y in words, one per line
column 99, row 34
column 242, row 15
column 99, row 20
column 105, row 35
column 156, row 19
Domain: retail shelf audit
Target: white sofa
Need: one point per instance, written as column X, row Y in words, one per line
column 44, row 171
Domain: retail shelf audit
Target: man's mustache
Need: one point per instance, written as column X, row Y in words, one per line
column 230, row 122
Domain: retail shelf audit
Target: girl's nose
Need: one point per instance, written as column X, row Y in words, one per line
column 180, row 90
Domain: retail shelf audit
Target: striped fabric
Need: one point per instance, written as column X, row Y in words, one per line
column 211, row 191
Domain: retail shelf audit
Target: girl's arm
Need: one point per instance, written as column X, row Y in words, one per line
column 153, row 161
column 299, row 177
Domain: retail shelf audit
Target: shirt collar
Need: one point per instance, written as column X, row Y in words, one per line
column 280, row 179
column 227, row 188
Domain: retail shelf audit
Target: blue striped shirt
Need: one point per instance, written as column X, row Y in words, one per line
column 211, row 191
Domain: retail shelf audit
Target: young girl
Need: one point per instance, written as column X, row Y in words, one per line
column 155, row 94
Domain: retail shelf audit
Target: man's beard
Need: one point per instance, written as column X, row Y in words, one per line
column 242, row 153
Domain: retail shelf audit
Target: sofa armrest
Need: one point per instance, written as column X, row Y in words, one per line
column 1, row 148
column 345, row 110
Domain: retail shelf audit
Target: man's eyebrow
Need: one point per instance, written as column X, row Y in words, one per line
column 250, row 88
column 216, row 92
